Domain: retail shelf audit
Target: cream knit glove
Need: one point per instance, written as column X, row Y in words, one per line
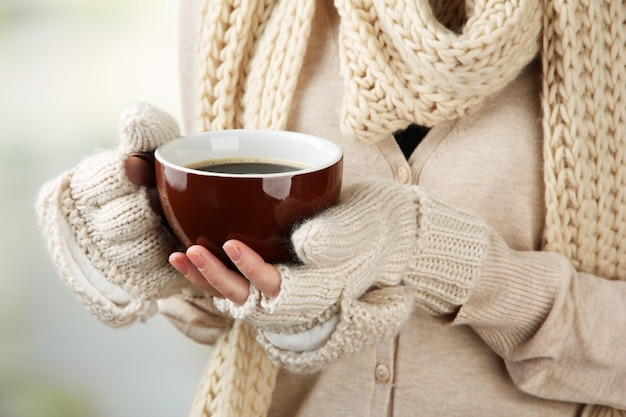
column 108, row 244
column 380, row 235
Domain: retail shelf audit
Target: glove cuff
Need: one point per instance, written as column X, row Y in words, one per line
column 362, row 323
column 451, row 248
column 292, row 311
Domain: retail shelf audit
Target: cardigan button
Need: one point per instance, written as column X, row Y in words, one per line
column 404, row 175
column 382, row 372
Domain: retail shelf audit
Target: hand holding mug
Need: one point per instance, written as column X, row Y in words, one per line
column 206, row 271
column 106, row 240
column 248, row 185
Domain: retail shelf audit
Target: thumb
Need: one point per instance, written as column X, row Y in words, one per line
column 143, row 128
column 368, row 217
column 338, row 234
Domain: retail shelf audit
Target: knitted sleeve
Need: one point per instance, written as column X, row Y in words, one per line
column 549, row 323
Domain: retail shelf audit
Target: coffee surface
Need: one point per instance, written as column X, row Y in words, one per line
column 245, row 166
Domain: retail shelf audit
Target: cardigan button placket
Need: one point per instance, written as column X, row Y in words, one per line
column 382, row 367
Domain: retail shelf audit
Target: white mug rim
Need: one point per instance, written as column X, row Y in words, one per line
column 330, row 152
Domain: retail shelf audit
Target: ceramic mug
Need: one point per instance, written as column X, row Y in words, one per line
column 250, row 185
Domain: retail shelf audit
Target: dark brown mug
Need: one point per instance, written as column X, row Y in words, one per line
column 250, row 185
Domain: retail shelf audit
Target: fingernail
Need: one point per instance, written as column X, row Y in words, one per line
column 232, row 251
column 196, row 259
column 179, row 266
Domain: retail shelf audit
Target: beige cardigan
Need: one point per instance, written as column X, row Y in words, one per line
column 536, row 338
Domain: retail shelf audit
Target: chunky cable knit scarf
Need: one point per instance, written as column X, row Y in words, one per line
column 420, row 61
column 584, row 105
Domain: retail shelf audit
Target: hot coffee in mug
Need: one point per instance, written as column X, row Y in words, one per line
column 247, row 166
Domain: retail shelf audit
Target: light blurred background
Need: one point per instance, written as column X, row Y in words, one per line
column 67, row 67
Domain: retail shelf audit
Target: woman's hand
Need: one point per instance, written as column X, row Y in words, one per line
column 198, row 265
column 208, row 273
column 364, row 264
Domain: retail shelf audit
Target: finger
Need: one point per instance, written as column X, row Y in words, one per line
column 227, row 282
column 181, row 262
column 263, row 275
column 139, row 168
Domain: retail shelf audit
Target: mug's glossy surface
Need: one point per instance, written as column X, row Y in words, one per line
column 260, row 210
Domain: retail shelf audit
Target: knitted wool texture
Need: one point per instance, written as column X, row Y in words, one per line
column 584, row 122
column 224, row 390
column 402, row 244
column 102, row 232
column 249, row 56
column 584, row 107
column 427, row 62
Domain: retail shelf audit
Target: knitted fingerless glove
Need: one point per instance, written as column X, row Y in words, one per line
column 382, row 249
column 108, row 244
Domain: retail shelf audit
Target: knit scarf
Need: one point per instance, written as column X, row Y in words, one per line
column 425, row 62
